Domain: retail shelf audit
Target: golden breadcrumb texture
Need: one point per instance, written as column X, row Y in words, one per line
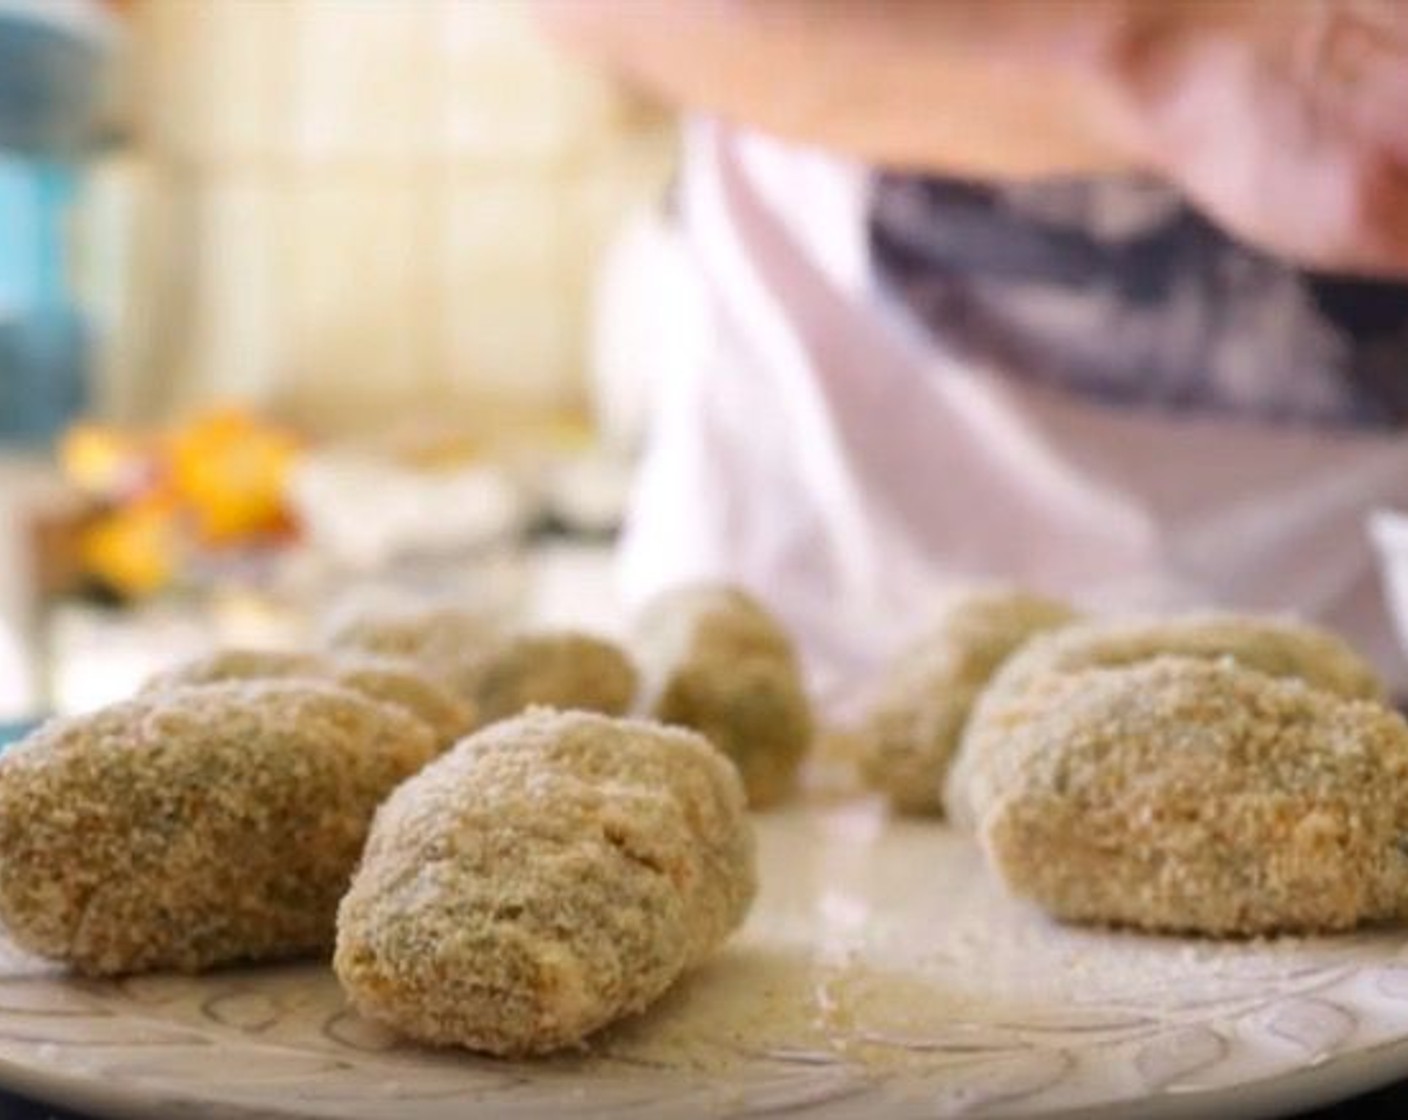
column 443, row 640
column 721, row 665
column 554, row 669
column 1197, row 796
column 387, row 679
column 1279, row 647
column 549, row 875
column 189, row 828
column 921, row 705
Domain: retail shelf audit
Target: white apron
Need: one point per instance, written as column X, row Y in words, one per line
column 824, row 453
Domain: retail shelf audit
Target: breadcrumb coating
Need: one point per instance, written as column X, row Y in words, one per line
column 551, row 874
column 713, row 616
column 387, row 679
column 914, row 723
column 198, row 826
column 441, row 639
column 555, row 669
column 1280, row 647
column 1199, row 796
column 721, row 665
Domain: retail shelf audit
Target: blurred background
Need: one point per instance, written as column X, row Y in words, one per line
column 307, row 303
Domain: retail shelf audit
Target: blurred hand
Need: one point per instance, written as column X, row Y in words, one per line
column 1285, row 120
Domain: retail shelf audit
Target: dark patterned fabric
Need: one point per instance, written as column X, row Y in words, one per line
column 1119, row 292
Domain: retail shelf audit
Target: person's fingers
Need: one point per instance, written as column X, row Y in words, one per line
column 1379, row 241
column 1339, row 208
column 1353, row 214
column 1355, row 65
column 1293, row 135
column 1376, row 105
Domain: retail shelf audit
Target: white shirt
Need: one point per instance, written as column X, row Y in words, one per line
column 824, row 452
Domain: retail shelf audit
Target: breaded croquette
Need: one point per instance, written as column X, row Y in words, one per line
column 914, row 723
column 387, row 679
column 1200, row 796
column 551, row 874
column 1280, row 647
column 198, row 826
column 719, row 664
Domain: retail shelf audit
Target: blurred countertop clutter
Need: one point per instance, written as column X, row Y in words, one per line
column 304, row 299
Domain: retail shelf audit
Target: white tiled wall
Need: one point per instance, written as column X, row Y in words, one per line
column 370, row 205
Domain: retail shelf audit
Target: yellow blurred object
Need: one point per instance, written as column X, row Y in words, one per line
column 229, row 468
column 566, row 430
column 216, row 481
column 426, row 442
column 135, row 549
column 105, row 462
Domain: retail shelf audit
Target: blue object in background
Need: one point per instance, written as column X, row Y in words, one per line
column 43, row 344
column 13, row 733
column 50, row 64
